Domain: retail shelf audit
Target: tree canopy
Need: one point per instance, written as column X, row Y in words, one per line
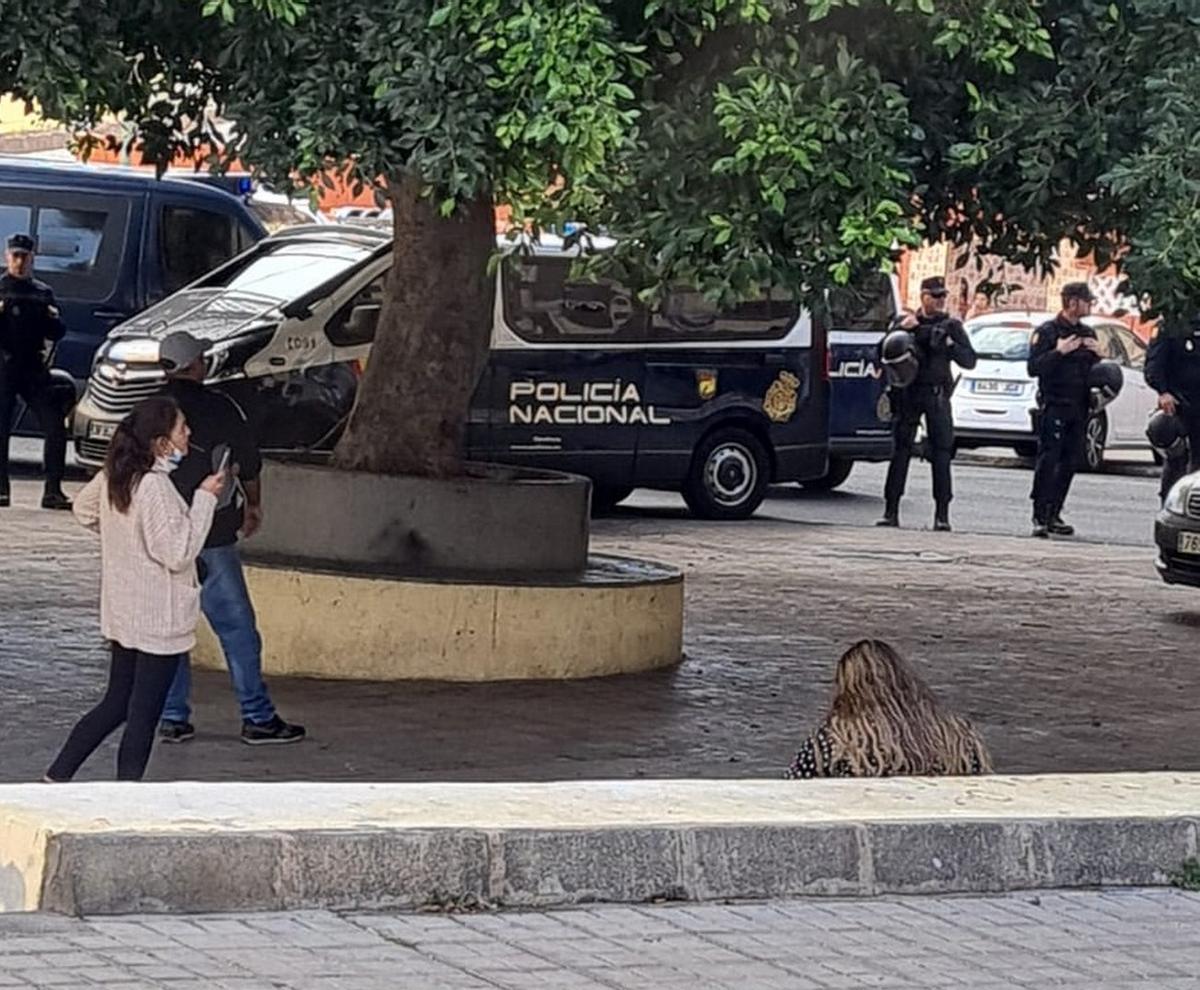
column 726, row 142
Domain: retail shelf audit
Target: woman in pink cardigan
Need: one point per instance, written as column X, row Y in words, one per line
column 149, row 593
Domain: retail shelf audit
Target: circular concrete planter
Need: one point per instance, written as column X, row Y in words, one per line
column 487, row 577
column 620, row 616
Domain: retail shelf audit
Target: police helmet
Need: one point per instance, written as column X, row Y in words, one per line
column 1105, row 381
column 1167, row 434
column 898, row 353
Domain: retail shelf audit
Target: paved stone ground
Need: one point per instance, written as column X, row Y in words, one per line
column 1097, row 940
column 1071, row 656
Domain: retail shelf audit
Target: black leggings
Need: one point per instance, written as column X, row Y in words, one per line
column 137, row 687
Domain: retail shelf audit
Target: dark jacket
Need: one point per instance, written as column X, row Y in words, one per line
column 1062, row 378
column 28, row 319
column 940, row 340
column 1173, row 364
column 215, row 420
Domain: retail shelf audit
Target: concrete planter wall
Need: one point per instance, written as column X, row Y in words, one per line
column 493, row 522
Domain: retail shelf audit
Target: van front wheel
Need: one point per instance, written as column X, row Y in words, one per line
column 729, row 475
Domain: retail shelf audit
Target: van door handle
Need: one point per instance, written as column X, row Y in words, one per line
column 109, row 314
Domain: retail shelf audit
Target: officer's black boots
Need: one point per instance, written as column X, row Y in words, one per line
column 55, row 499
column 891, row 515
column 941, row 519
column 1057, row 527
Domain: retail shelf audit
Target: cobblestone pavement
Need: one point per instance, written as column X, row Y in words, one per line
column 1097, row 940
column 1071, row 656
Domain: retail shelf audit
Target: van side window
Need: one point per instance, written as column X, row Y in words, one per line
column 69, row 240
column 194, row 242
column 543, row 303
column 15, row 220
column 80, row 238
column 356, row 322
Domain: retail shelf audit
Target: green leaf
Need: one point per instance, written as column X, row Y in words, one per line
column 440, row 16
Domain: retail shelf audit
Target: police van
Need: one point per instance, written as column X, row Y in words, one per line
column 583, row 377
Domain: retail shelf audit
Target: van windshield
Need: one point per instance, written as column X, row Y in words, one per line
column 283, row 272
column 1001, row 342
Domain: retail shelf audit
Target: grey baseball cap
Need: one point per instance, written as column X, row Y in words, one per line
column 178, row 351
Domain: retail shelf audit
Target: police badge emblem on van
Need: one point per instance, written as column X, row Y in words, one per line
column 780, row 401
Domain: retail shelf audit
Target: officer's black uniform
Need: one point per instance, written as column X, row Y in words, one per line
column 1173, row 366
column 28, row 320
column 1064, row 398
column 940, row 339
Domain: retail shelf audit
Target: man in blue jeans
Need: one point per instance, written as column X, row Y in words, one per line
column 219, row 430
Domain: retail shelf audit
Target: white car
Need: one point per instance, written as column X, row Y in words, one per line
column 994, row 401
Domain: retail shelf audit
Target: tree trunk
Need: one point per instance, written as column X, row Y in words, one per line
column 431, row 344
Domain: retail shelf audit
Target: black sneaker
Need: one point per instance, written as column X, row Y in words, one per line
column 55, row 500
column 890, row 519
column 1059, row 528
column 175, row 732
column 274, row 732
column 1041, row 531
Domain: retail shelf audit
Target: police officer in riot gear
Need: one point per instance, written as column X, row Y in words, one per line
column 1062, row 354
column 1173, row 371
column 29, row 320
column 937, row 341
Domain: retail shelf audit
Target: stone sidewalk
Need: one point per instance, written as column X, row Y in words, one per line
column 1071, row 656
column 1094, row 940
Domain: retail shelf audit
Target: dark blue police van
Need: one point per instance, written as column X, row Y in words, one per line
column 113, row 241
column 714, row 403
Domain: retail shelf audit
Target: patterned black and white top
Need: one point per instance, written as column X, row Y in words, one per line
column 807, row 766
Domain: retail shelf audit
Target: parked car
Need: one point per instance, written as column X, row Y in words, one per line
column 112, row 241
column 583, row 377
column 995, row 401
column 1177, row 533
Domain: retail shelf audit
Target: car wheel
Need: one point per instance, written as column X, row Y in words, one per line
column 605, row 498
column 729, row 475
column 1025, row 450
column 839, row 471
column 1094, row 438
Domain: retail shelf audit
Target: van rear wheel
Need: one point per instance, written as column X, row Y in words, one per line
column 729, row 475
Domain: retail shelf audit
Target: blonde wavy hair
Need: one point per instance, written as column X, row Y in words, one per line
column 885, row 721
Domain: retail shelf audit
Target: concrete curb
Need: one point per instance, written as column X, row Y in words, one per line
column 111, row 849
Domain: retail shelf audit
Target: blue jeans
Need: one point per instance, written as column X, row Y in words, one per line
column 226, row 604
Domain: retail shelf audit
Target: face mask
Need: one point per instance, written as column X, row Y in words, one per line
column 169, row 462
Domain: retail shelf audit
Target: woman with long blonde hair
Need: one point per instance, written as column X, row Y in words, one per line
column 885, row 722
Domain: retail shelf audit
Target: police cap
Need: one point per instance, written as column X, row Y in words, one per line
column 178, row 351
column 1077, row 290
column 20, row 243
column 935, row 286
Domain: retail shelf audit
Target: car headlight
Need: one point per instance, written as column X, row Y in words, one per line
column 1177, row 497
column 133, row 350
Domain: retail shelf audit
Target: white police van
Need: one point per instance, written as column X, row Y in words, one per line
column 715, row 404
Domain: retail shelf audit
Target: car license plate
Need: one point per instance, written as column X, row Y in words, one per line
column 1189, row 543
column 997, row 387
column 102, row 431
